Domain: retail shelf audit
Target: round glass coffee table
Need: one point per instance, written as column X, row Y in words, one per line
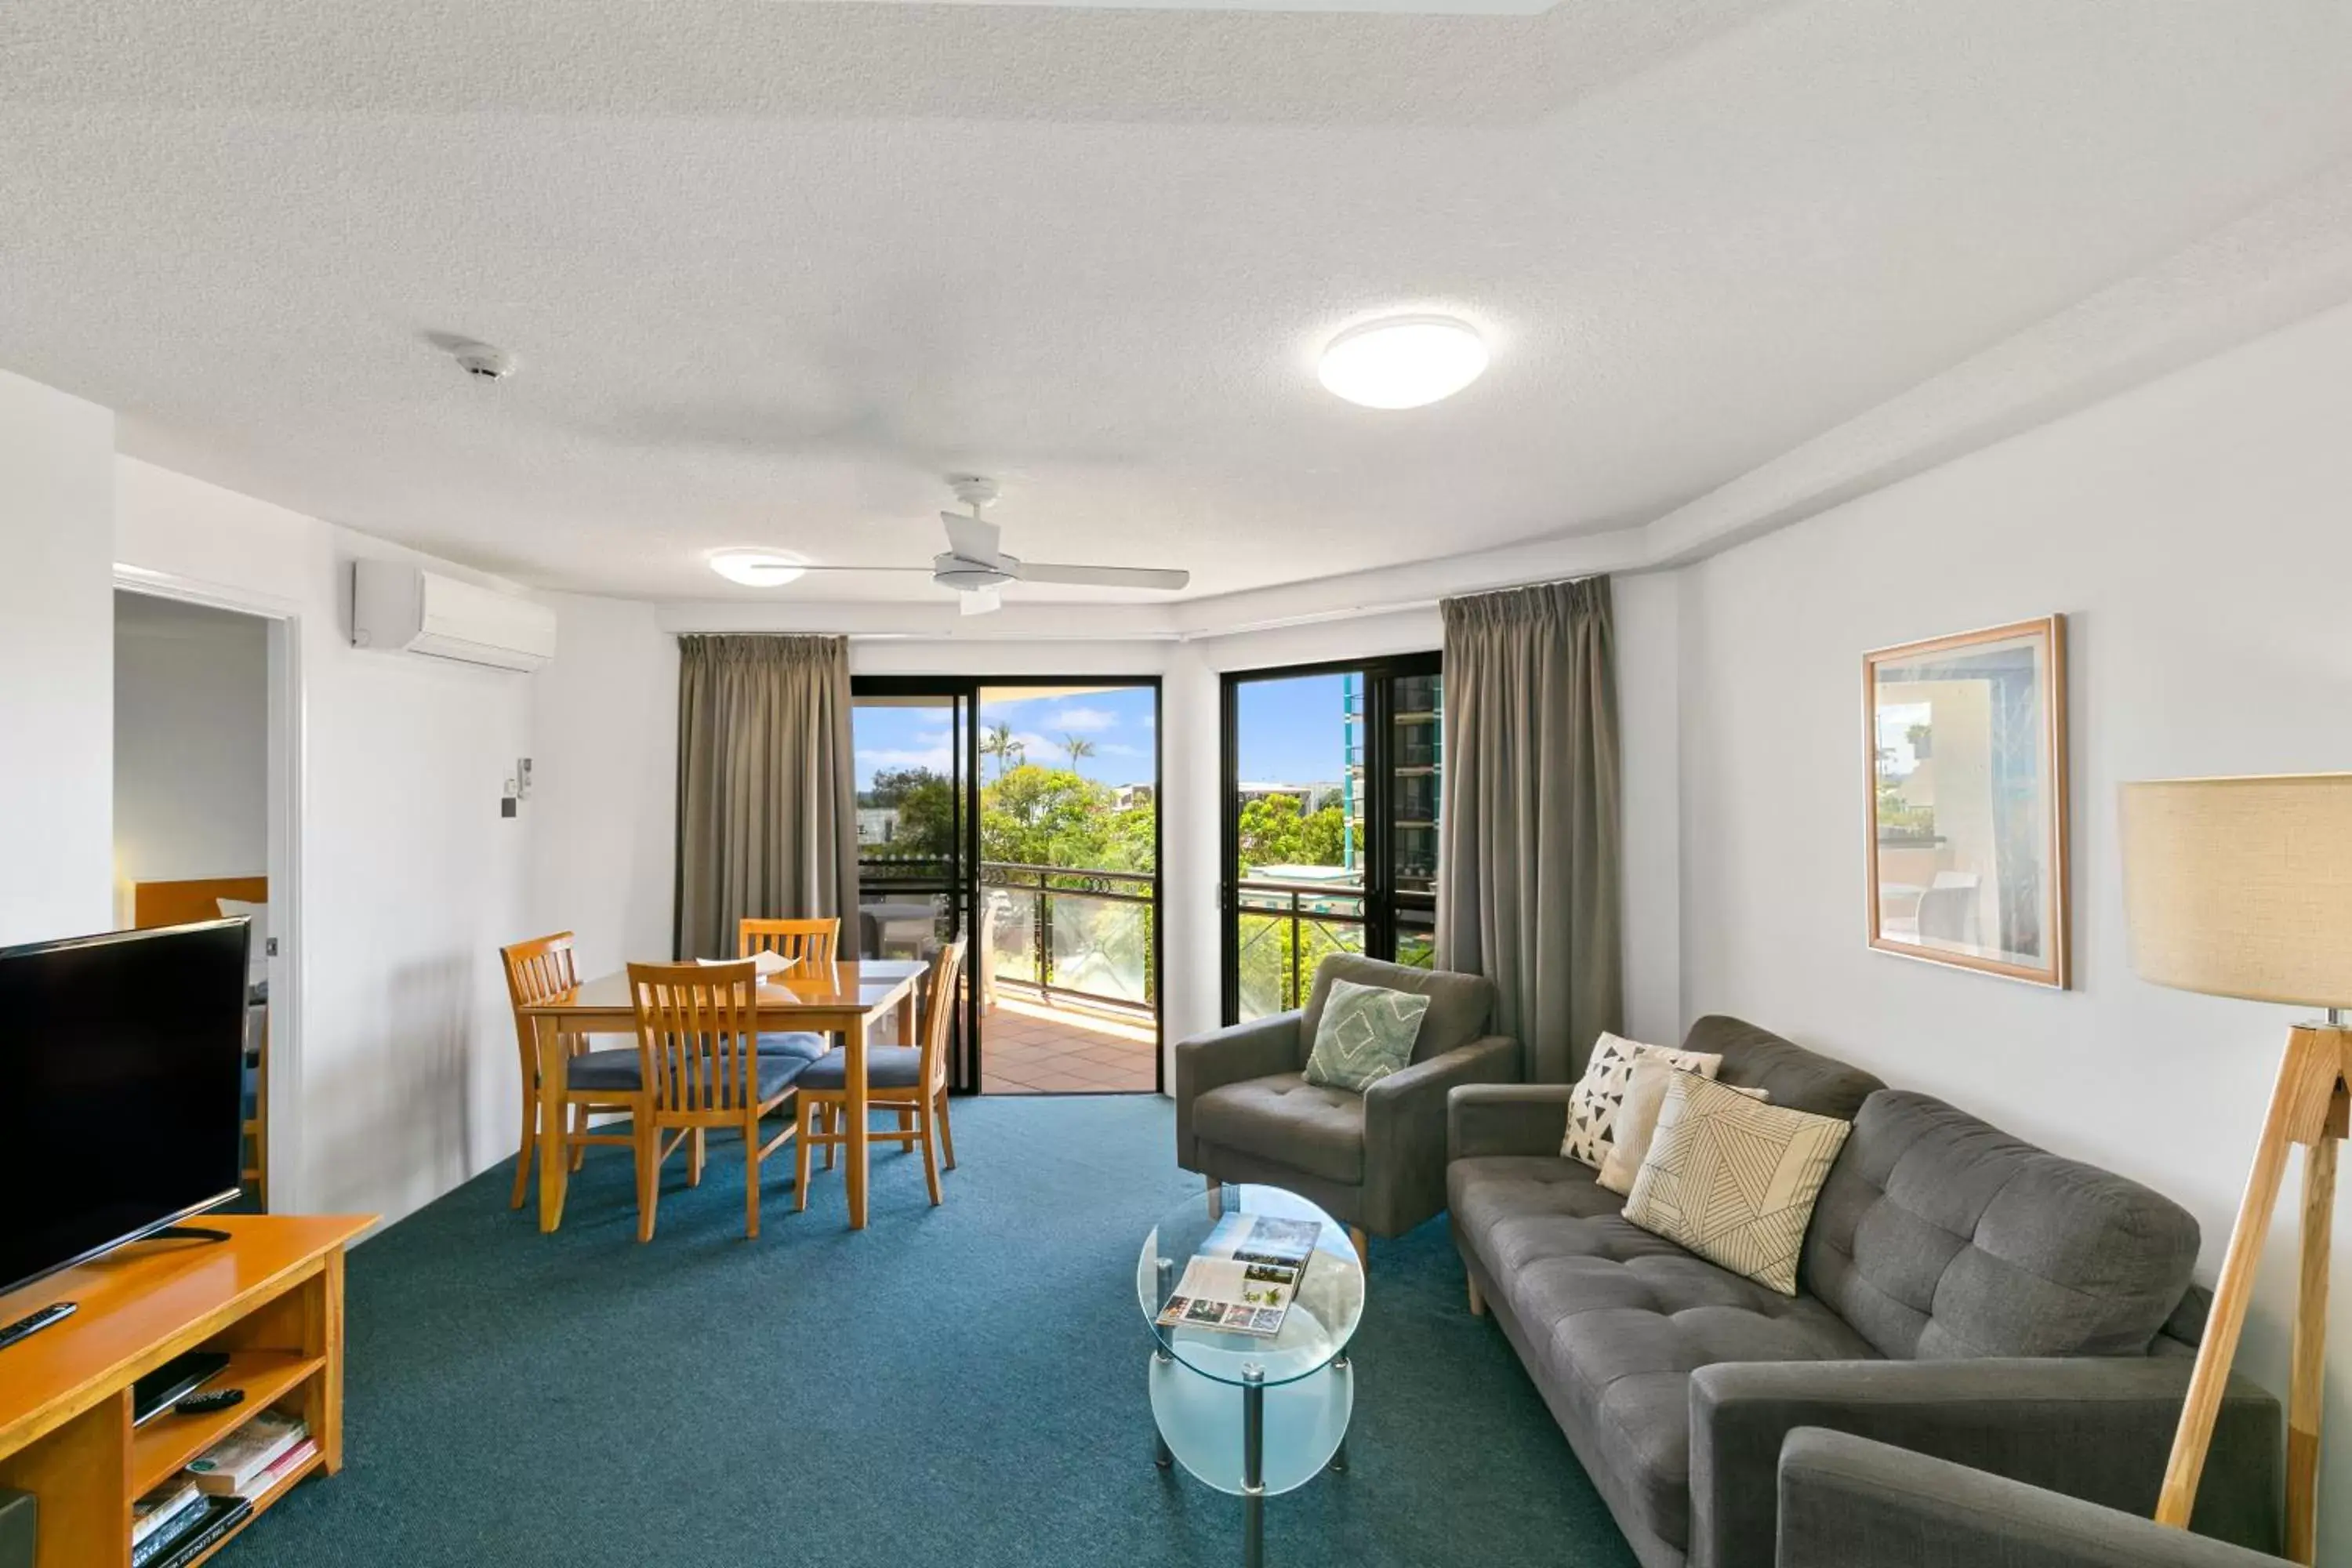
column 1254, row 1415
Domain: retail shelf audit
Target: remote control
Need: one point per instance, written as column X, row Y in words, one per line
column 34, row 1323
column 218, row 1399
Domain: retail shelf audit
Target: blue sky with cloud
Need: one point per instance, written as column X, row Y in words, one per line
column 1291, row 731
column 1117, row 720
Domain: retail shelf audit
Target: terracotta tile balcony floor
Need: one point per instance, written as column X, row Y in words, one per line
column 1030, row 1046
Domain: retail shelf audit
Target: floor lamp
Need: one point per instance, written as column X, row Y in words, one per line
column 2242, row 887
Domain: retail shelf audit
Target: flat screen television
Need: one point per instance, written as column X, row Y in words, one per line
column 122, row 1088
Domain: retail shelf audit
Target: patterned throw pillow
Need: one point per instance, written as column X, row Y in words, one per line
column 1734, row 1181
column 1592, row 1104
column 1367, row 1033
column 1637, row 1119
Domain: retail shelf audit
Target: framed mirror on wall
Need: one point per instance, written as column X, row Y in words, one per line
column 1965, row 750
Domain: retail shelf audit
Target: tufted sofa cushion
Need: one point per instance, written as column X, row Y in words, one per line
column 1791, row 1076
column 1285, row 1119
column 1939, row 1235
column 1615, row 1320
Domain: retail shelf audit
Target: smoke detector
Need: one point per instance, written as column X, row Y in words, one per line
column 486, row 361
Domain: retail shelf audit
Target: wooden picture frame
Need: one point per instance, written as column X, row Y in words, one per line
column 1977, row 878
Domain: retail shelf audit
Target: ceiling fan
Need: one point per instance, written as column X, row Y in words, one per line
column 976, row 568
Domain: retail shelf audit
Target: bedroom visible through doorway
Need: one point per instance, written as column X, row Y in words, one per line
column 198, row 751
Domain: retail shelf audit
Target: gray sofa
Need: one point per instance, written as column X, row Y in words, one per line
column 1375, row 1161
column 1962, row 1294
column 1848, row 1502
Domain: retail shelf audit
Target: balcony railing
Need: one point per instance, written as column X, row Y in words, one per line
column 1072, row 932
column 1283, row 931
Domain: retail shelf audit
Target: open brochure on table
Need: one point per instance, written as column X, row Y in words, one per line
column 1244, row 1275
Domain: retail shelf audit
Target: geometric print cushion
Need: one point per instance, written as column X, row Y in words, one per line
column 1367, row 1033
column 1735, row 1181
column 1593, row 1104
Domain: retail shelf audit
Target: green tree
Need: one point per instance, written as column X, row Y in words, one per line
column 1274, row 831
column 996, row 741
column 1078, row 749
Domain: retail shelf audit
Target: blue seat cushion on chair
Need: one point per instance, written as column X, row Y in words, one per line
column 886, row 1066
column 617, row 1070
column 614, row 1069
column 798, row 1042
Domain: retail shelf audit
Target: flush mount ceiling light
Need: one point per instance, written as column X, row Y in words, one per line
column 758, row 568
column 1403, row 362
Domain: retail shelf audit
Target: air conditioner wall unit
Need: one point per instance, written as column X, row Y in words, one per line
column 396, row 605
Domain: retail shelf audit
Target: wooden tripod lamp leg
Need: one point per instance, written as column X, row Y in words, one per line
column 2304, row 1109
column 2306, row 1383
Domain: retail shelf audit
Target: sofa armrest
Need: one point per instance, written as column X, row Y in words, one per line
column 2096, row 1427
column 1507, row 1118
column 1259, row 1049
column 1405, row 1134
column 1848, row 1502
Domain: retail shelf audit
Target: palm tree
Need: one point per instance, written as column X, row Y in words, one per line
column 998, row 742
column 1079, row 748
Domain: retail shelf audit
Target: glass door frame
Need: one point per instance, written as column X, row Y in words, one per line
column 956, row 695
column 1380, row 895
column 963, row 691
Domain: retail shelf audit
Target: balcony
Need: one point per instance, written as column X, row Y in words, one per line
column 1069, row 979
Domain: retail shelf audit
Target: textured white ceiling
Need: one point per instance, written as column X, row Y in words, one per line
column 774, row 268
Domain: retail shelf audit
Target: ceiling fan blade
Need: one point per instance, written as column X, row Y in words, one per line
column 980, row 601
column 1101, row 576
column 816, row 568
column 970, row 538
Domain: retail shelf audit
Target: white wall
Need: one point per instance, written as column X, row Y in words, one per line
column 191, row 743
column 57, row 656
column 407, row 1077
column 603, row 804
column 2198, row 534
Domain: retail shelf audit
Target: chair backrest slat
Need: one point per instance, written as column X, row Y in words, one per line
column 697, row 1034
column 537, row 970
column 815, row 943
column 939, row 1013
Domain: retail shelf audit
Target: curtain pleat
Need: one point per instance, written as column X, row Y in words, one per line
column 767, row 792
column 1530, row 864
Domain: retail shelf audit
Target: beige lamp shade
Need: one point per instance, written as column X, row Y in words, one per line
column 2242, row 887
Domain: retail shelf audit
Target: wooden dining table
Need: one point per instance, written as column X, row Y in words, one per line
column 850, row 1000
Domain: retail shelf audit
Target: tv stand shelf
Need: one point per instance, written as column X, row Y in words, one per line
column 272, row 1297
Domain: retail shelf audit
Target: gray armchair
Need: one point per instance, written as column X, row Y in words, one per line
column 1848, row 1502
column 1376, row 1161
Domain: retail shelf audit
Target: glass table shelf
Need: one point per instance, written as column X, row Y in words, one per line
column 1254, row 1416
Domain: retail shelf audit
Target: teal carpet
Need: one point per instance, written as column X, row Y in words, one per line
column 960, row 1385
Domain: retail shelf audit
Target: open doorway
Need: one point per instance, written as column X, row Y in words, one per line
column 201, row 821
column 1023, row 813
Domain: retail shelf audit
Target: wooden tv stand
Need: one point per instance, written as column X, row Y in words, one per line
column 271, row 1296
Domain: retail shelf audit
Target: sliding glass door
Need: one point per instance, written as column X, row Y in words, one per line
column 913, row 742
column 1023, row 813
column 1331, row 795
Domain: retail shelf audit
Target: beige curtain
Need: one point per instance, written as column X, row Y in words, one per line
column 767, row 796
column 1530, row 859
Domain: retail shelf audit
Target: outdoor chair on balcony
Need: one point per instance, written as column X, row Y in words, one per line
column 1375, row 1161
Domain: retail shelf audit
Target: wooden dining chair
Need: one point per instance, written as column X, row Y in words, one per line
column 809, row 942
column 816, row 942
column 903, row 1079
column 699, row 1058
column 536, row 971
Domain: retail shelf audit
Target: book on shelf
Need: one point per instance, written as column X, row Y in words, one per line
column 219, row 1516
column 285, row 1464
column 229, row 1465
column 1245, row 1277
column 156, row 1513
